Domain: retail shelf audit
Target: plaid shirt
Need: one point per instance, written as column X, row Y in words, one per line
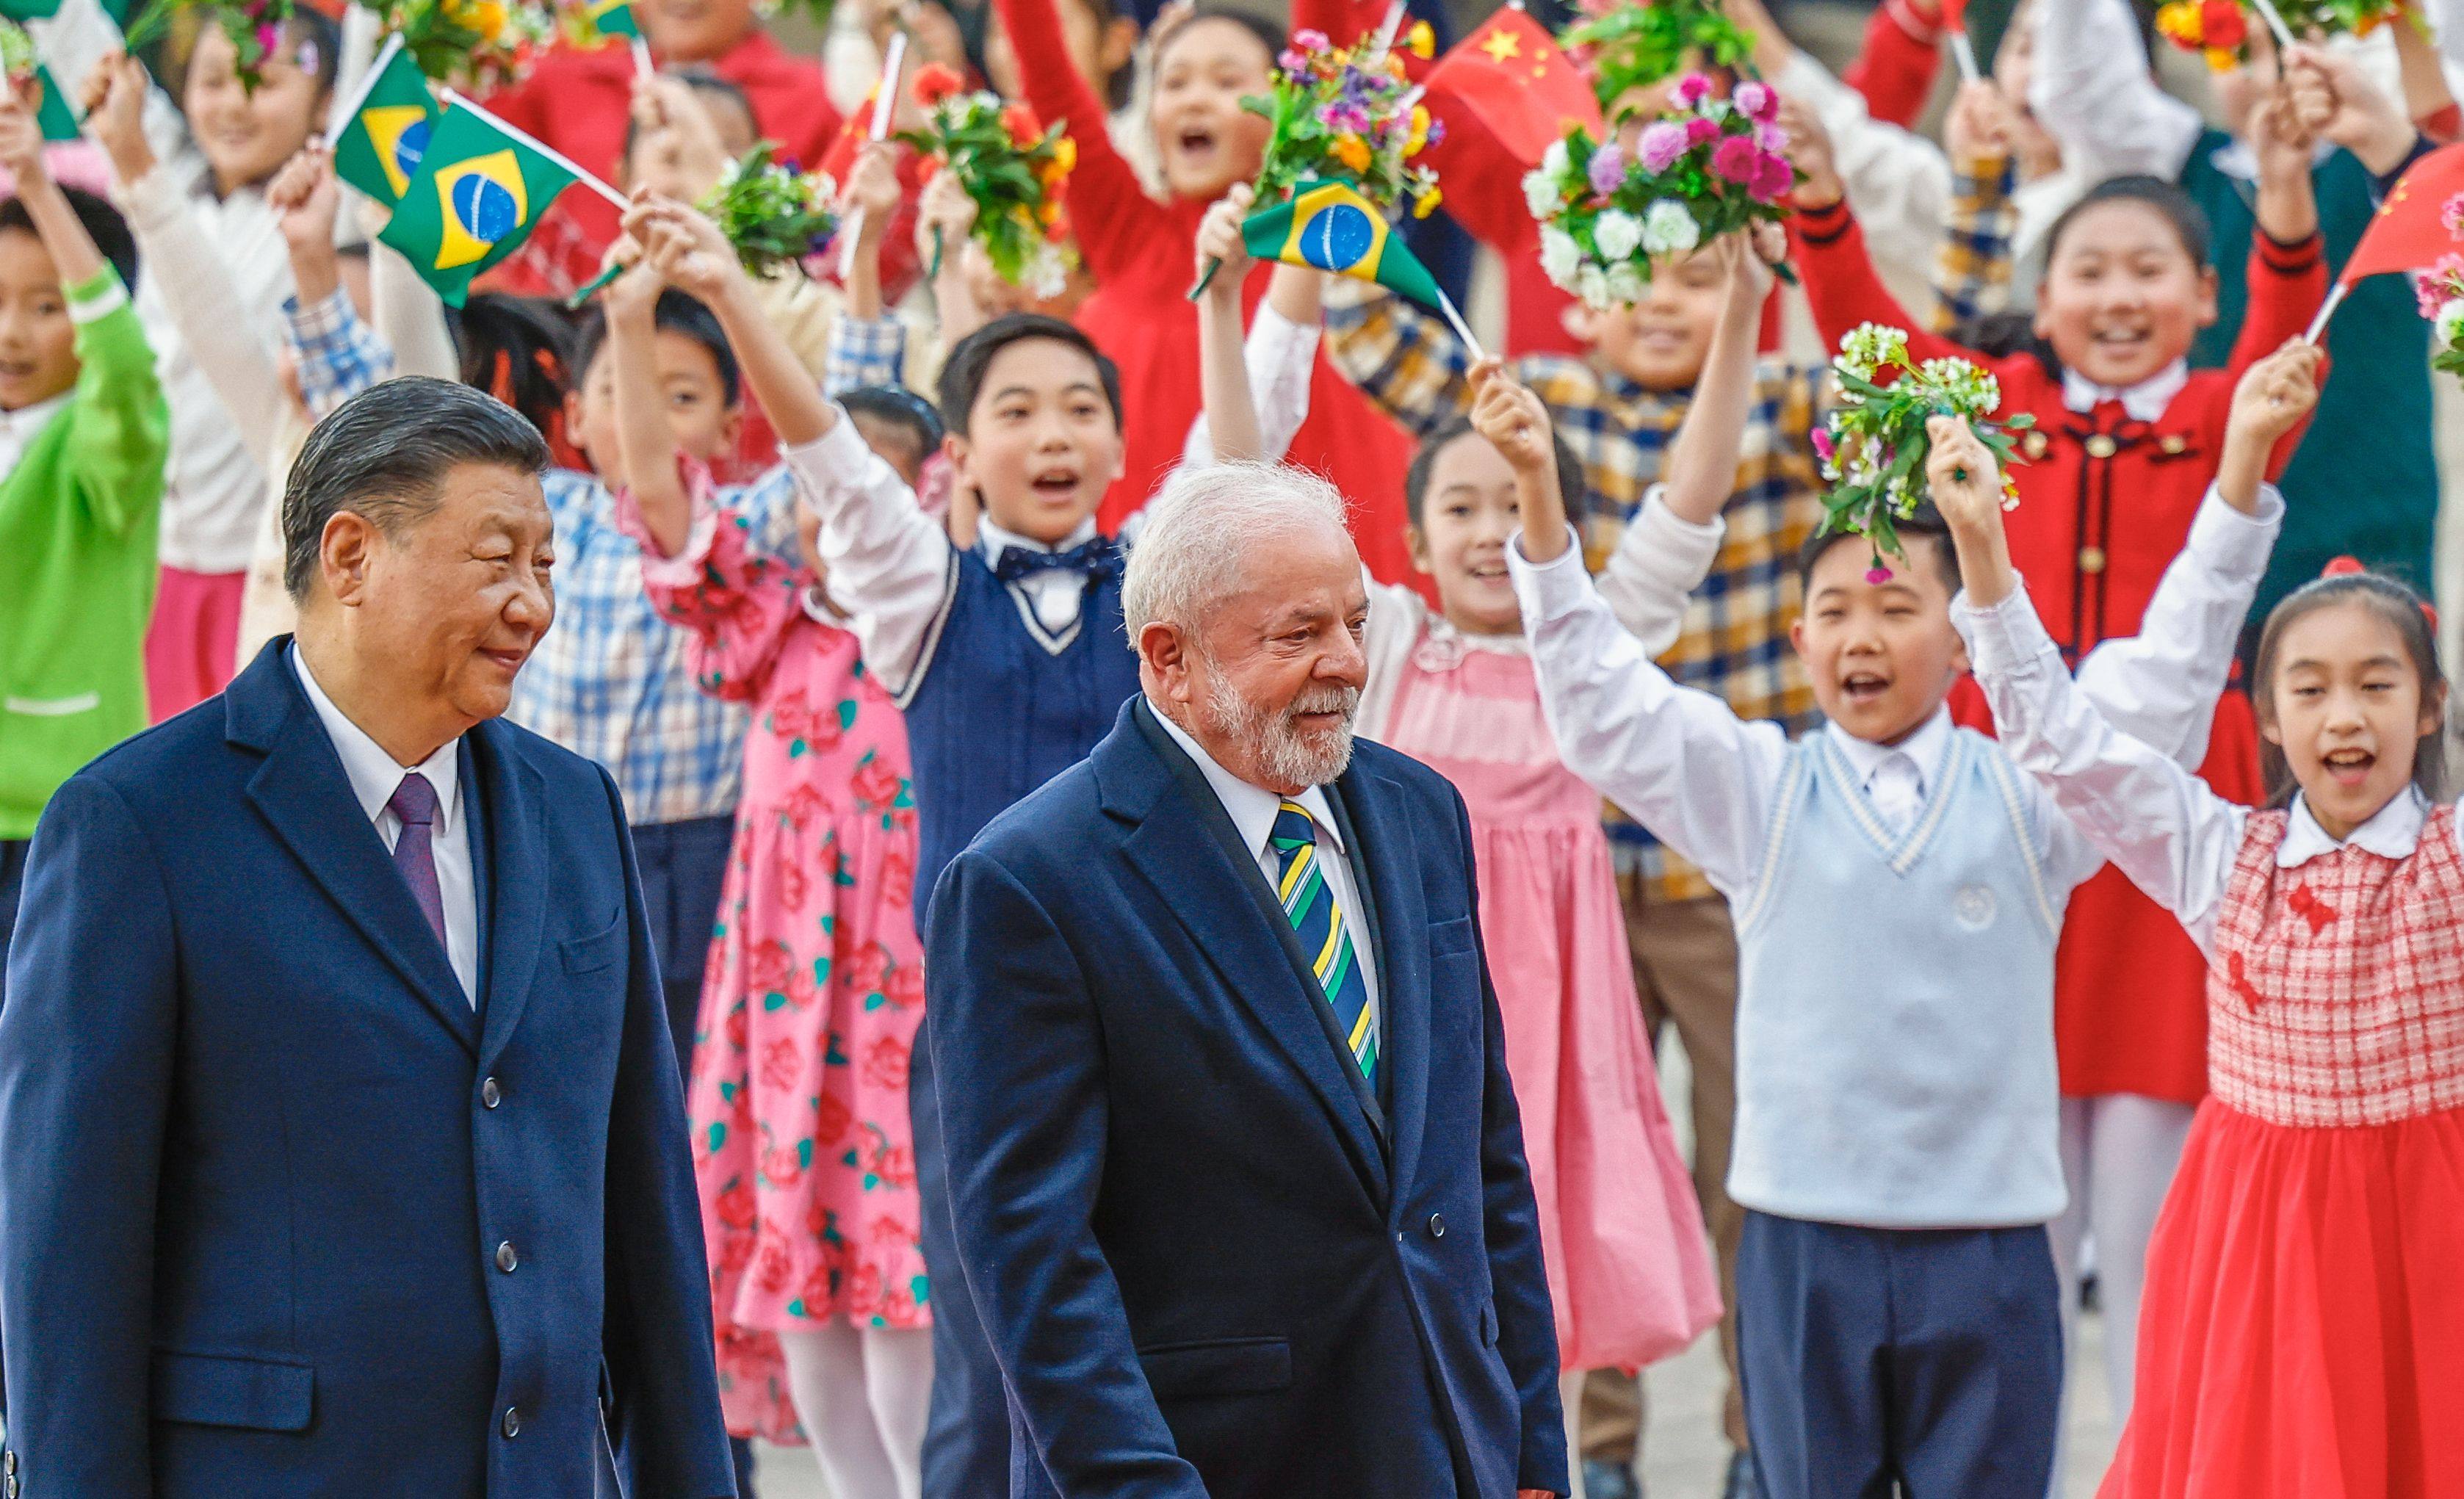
column 610, row 680
column 1972, row 273
column 338, row 353
column 864, row 353
column 1735, row 643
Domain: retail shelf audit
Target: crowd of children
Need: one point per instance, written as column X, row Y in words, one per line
column 2022, row 913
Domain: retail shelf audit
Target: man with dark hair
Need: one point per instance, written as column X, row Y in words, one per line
column 333, row 1037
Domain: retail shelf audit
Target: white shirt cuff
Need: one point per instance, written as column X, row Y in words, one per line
column 1547, row 590
column 2004, row 639
column 2233, row 545
column 1668, row 547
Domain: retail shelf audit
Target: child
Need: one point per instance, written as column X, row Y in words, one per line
column 83, row 433
column 215, row 359
column 2301, row 1318
column 815, row 983
column 1622, row 1235
column 1009, row 659
column 1139, row 250
column 1898, row 888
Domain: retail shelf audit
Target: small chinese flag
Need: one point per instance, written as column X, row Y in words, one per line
column 2410, row 231
column 1510, row 77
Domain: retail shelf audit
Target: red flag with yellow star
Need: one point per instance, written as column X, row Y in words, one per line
column 2421, row 222
column 1510, row 77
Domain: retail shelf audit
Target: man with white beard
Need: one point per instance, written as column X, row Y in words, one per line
column 1236, row 1168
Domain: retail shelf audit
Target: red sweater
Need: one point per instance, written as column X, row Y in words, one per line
column 1143, row 256
column 578, row 102
column 1896, row 69
column 2105, row 503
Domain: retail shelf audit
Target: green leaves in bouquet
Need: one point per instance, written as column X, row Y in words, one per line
column 1632, row 45
column 772, row 213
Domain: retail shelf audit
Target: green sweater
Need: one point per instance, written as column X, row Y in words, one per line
column 76, row 560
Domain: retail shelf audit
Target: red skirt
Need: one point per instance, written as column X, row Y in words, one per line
column 2302, row 1332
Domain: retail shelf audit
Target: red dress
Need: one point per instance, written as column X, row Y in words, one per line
column 2302, row 1336
column 2105, row 504
column 1143, row 256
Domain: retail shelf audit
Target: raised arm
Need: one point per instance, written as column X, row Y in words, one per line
column 1973, row 265
column 1840, row 282
column 1110, row 210
column 1230, row 411
column 1407, row 362
column 2094, row 92
column 335, row 352
column 735, row 600
column 1903, row 53
column 1897, row 181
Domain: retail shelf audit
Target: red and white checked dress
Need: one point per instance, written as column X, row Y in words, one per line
column 2303, row 1331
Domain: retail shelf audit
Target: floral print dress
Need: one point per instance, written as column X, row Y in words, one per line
column 815, row 989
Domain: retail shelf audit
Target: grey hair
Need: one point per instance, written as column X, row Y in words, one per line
column 1191, row 537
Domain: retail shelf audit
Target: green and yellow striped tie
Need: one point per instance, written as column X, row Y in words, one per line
column 1308, row 901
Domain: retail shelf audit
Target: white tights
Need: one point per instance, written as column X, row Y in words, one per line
column 862, row 1396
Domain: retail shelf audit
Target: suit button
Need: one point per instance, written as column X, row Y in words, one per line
column 513, row 1422
column 489, row 1094
column 506, row 1260
column 2102, row 446
column 1437, row 1226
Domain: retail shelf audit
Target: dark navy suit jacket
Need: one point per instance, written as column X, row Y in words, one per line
column 280, row 1214
column 1210, row 1264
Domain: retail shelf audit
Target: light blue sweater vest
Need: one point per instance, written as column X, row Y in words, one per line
column 1895, row 1015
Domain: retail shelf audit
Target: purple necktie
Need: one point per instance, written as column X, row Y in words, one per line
column 415, row 802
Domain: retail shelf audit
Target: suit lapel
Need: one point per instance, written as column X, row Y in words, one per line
column 306, row 798
column 516, row 852
column 1388, row 866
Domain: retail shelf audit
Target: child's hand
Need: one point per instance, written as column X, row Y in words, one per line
column 305, row 197
column 1220, row 243
column 1961, row 476
column 2276, row 394
column 114, row 114
column 690, row 254
column 2331, row 95
column 676, row 149
column 872, row 186
column 1514, row 420
column 1811, row 152
column 21, row 141
column 946, row 209
column 1981, row 125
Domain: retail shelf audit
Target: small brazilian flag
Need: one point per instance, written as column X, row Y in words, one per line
column 58, row 120
column 482, row 187
column 31, row 9
column 612, row 18
column 379, row 150
column 1329, row 226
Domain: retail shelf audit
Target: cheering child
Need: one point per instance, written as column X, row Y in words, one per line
column 815, row 985
column 83, row 431
column 2301, row 1318
column 1897, row 886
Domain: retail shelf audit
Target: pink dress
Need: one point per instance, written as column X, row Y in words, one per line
column 1629, row 1264
column 815, row 989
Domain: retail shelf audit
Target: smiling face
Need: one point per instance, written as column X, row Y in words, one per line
column 1275, row 670
column 689, row 383
column 1041, row 443
column 2122, row 297
column 1467, row 513
column 2347, row 706
column 1660, row 342
column 1207, row 140
column 695, row 31
column 247, row 137
column 1882, row 655
column 37, row 342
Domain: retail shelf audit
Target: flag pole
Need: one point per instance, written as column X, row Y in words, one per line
column 643, row 67
column 1463, row 329
column 340, row 118
column 1387, row 30
column 2326, row 310
column 1964, row 52
column 885, row 98
column 2274, row 19
column 455, row 99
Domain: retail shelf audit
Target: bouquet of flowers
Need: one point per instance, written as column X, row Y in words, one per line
column 772, row 213
column 2442, row 301
column 1015, row 169
column 1629, row 45
column 254, row 28
column 17, row 58
column 1873, row 449
column 1714, row 166
column 1345, row 113
column 2221, row 29
column 478, row 44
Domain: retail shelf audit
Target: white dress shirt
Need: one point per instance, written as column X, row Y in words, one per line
column 1056, row 594
column 18, row 428
column 375, row 775
column 1253, row 810
column 2144, row 401
column 1895, row 777
column 1706, row 783
column 2175, row 838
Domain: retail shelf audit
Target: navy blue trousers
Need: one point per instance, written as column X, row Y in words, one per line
column 1922, row 1362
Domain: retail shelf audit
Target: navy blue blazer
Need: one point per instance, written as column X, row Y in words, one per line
column 1210, row 1266
column 280, row 1214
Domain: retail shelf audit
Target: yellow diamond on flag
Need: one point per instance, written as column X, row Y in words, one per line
column 484, row 201
column 399, row 133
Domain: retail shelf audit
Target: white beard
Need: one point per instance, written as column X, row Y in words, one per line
column 1280, row 750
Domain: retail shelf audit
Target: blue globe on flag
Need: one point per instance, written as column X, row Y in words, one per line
column 410, row 147
column 1337, row 238
column 485, row 210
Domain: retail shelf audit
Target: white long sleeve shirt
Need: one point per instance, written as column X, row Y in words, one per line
column 1682, row 763
column 1897, row 181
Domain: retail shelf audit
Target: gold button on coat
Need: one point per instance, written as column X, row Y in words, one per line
column 2101, row 445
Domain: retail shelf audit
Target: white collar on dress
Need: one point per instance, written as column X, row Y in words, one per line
column 1252, row 807
column 1925, row 747
column 374, row 774
column 2393, row 832
column 2146, row 401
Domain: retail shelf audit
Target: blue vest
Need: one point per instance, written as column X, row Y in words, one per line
column 1895, row 1012
column 997, row 705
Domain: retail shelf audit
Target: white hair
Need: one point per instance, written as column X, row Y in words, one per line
column 1192, row 535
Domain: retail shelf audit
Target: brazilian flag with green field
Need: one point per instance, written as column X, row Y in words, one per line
column 379, row 146
column 482, row 187
column 58, row 120
column 1327, row 226
column 612, row 18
